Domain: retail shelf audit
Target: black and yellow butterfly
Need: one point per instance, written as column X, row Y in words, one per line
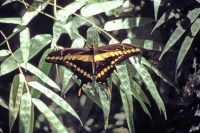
column 88, row 62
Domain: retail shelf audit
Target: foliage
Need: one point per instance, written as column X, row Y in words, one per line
column 129, row 77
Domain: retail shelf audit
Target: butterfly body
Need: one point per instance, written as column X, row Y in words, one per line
column 98, row 62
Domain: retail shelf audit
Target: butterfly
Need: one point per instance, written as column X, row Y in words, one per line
column 88, row 62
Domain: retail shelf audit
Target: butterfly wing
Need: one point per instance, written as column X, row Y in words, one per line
column 108, row 56
column 76, row 59
column 102, row 59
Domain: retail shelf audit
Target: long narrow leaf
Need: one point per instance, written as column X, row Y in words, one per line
column 92, row 35
column 126, row 23
column 51, row 117
column 158, row 72
column 15, row 31
column 11, row 20
column 78, row 43
column 187, row 42
column 176, row 7
column 64, row 13
column 156, row 4
column 45, row 68
column 25, row 43
column 25, row 112
column 166, row 16
column 62, row 16
column 34, row 9
column 37, row 43
column 66, row 80
column 192, row 15
column 15, row 98
column 40, row 75
column 136, row 95
column 124, row 79
column 128, row 111
column 54, row 97
column 149, row 83
column 145, row 44
column 71, row 30
column 3, row 103
column 105, row 102
column 7, row 2
column 100, row 7
column 4, row 53
column 125, row 91
column 92, row 94
column 140, row 92
column 58, row 29
column 86, row 110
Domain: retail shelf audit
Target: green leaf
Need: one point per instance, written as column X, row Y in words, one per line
column 145, row 44
column 136, row 95
column 25, row 112
column 187, row 42
column 71, row 30
column 124, row 79
column 156, row 4
column 15, row 97
column 51, row 117
column 128, row 111
column 42, row 59
column 40, row 75
column 15, row 31
column 86, row 110
column 105, row 102
column 45, row 68
column 58, row 29
column 140, row 92
column 172, row 10
column 126, row 23
column 3, row 103
column 25, row 44
column 11, row 20
column 62, row 16
column 78, row 22
column 78, row 43
column 192, row 15
column 92, row 94
column 115, row 78
column 64, row 13
column 125, row 91
column 54, row 97
column 92, row 36
column 66, row 80
column 100, row 7
column 37, row 43
column 34, row 9
column 149, row 83
column 166, row 16
column 158, row 72
column 4, row 53
column 7, row 2
column 132, row 71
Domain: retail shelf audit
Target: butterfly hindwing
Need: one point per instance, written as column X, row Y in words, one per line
column 82, row 71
